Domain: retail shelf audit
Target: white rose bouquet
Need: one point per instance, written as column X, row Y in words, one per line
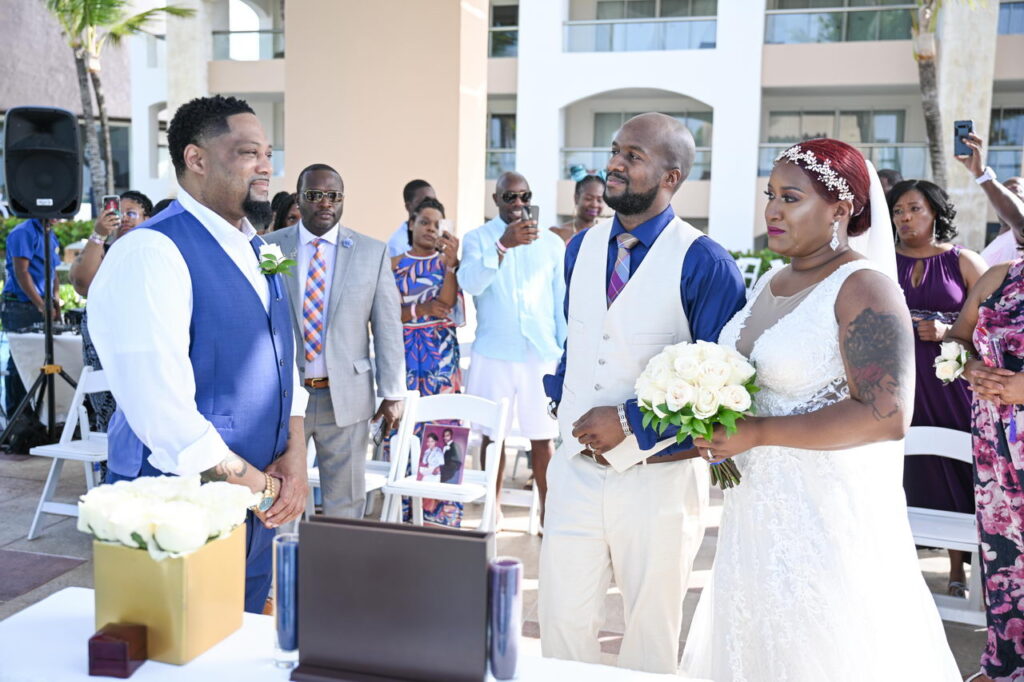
column 168, row 516
column 950, row 363
column 695, row 386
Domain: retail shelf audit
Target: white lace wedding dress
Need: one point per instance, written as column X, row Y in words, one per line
column 815, row 576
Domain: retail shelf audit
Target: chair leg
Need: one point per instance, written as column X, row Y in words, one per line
column 975, row 591
column 48, row 489
column 417, row 510
column 515, row 463
column 535, row 511
column 90, row 476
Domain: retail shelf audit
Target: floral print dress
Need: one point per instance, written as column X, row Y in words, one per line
column 998, row 438
column 431, row 354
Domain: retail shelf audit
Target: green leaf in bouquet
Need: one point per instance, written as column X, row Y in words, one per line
column 727, row 418
column 648, row 418
column 751, row 387
column 139, row 541
column 676, row 419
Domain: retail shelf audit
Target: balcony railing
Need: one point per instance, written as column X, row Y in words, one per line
column 499, row 161
column 1005, row 161
column 248, row 45
column 596, row 158
column 635, row 35
column 909, row 158
column 842, row 24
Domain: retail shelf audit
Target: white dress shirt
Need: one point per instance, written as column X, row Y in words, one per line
column 1001, row 249
column 140, row 310
column 398, row 243
column 317, row 367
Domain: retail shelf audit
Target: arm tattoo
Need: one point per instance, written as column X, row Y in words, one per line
column 233, row 465
column 876, row 360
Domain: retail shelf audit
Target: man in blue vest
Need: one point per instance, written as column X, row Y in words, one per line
column 196, row 339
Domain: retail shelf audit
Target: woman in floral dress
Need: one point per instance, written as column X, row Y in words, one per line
column 431, row 311
column 991, row 327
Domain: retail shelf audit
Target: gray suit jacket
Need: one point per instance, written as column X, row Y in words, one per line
column 363, row 296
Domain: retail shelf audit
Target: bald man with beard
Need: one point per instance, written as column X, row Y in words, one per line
column 625, row 501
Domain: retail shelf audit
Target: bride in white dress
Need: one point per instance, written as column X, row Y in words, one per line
column 815, row 576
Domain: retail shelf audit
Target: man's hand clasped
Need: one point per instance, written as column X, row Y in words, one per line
column 599, row 429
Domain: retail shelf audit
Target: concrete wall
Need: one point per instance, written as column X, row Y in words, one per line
column 384, row 107
column 39, row 69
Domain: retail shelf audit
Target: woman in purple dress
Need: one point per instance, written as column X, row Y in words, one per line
column 935, row 276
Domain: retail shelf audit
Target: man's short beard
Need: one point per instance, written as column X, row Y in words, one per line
column 631, row 203
column 259, row 213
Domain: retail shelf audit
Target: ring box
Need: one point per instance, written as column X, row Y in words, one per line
column 117, row 650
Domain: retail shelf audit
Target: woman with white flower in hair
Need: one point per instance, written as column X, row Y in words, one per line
column 795, row 592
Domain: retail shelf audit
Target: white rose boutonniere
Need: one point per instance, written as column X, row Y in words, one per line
column 273, row 261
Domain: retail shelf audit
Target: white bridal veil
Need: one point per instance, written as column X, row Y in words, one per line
column 877, row 243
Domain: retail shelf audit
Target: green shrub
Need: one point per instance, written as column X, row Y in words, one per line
column 766, row 256
column 67, row 232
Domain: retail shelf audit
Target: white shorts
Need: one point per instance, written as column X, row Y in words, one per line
column 522, row 383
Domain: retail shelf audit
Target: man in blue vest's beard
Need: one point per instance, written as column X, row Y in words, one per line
column 196, row 339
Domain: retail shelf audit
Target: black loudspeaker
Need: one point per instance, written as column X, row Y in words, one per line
column 42, row 162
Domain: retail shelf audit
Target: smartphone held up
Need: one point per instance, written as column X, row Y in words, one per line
column 962, row 129
column 112, row 202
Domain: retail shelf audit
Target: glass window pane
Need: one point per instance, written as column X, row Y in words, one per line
column 1005, row 162
column 505, row 15
column 675, row 8
column 504, row 43
column 888, row 126
column 605, row 127
column 639, row 36
column 817, row 27
column 783, row 127
column 704, row 8
column 816, row 124
column 700, row 125
column 894, row 24
column 803, row 4
column 1007, row 128
column 501, row 133
column 862, row 26
column 639, row 9
column 611, row 9
column 855, row 126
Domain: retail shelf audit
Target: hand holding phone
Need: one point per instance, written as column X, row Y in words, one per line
column 962, row 129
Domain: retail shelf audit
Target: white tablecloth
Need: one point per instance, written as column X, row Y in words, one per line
column 27, row 350
column 48, row 642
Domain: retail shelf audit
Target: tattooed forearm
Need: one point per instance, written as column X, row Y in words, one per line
column 231, row 466
column 876, row 362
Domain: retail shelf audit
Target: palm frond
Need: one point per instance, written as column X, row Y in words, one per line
column 128, row 26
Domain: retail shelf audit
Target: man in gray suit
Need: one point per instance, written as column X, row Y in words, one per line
column 342, row 287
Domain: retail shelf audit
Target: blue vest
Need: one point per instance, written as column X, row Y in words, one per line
column 241, row 356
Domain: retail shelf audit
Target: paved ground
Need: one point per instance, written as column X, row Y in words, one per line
column 21, row 480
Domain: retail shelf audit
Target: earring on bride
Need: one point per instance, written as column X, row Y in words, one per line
column 835, row 235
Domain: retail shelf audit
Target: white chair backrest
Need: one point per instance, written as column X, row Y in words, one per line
column 90, row 381
column 749, row 270
column 935, row 440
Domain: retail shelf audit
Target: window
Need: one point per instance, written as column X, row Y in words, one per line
column 1006, row 142
column 1011, row 18
column 501, row 144
column 504, row 31
column 879, row 134
column 607, row 123
column 638, row 25
column 831, row 21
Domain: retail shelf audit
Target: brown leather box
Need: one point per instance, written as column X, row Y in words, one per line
column 117, row 650
column 386, row 602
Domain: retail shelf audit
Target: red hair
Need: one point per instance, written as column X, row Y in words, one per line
column 849, row 163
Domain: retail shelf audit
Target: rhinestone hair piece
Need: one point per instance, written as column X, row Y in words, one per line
column 823, row 169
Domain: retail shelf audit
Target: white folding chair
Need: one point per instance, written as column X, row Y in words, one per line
column 378, row 472
column 476, row 484
column 90, row 449
column 750, row 268
column 948, row 530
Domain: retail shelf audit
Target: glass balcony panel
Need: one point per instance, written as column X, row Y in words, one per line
column 594, row 159
column 1005, row 162
column 1011, row 18
column 637, row 36
column 498, row 161
column 248, row 45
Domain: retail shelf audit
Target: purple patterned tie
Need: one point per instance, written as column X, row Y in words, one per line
column 620, row 274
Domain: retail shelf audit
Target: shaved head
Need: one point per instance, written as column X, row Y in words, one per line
column 666, row 138
column 509, row 178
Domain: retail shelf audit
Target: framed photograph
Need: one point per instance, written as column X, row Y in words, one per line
column 442, row 453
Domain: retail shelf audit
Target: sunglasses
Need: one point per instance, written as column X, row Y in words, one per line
column 315, row 195
column 524, row 196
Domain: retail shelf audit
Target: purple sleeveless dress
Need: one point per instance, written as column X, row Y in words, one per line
column 936, row 482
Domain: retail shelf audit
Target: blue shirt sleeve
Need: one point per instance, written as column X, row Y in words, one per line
column 19, row 243
column 553, row 382
column 711, row 290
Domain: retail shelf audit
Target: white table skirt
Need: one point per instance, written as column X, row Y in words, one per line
column 48, row 641
column 27, row 351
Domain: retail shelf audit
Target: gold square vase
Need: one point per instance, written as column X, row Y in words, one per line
column 188, row 604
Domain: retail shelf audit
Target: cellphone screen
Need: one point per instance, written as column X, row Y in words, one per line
column 111, row 203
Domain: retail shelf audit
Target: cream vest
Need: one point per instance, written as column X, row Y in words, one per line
column 608, row 347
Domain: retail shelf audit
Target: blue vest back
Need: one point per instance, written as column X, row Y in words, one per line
column 241, row 356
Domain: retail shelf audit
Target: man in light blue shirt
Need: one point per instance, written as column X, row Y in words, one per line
column 515, row 274
column 415, row 191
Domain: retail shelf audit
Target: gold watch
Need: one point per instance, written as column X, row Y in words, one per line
column 269, row 494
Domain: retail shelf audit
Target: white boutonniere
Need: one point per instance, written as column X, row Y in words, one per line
column 273, row 262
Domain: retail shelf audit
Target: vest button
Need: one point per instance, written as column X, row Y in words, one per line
column 597, row 387
column 281, row 362
column 606, row 337
column 285, row 393
column 600, row 361
column 274, row 331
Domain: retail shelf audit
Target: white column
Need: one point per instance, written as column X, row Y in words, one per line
column 149, row 88
column 737, row 123
column 538, row 116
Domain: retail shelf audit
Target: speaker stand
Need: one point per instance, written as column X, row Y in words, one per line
column 44, row 383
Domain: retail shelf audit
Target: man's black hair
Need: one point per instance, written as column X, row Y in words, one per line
column 412, row 187
column 313, row 167
column 200, row 118
column 141, row 199
column 161, row 205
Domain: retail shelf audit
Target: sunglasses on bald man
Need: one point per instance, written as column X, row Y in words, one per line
column 315, row 195
column 524, row 196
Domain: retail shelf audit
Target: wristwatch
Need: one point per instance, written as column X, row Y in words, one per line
column 623, row 421
column 269, row 495
column 553, row 410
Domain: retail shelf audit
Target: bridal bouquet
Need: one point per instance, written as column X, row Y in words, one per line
column 695, row 386
column 169, row 516
column 950, row 363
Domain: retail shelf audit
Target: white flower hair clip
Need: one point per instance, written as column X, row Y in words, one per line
column 823, row 169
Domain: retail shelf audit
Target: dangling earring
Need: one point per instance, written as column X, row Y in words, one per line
column 835, row 235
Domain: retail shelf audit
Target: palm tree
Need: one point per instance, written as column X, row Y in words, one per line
column 88, row 25
column 924, row 22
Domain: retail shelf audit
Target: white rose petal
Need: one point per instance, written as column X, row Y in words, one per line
column 714, row 374
column 947, row 371
column 706, row 404
column 742, row 371
column 679, row 395
column 179, row 527
column 658, row 398
column 711, row 351
column 735, row 398
column 949, row 350
column 687, row 367
column 272, row 250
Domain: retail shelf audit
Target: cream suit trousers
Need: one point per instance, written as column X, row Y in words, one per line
column 643, row 527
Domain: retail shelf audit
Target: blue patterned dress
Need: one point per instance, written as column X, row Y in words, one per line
column 431, row 352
